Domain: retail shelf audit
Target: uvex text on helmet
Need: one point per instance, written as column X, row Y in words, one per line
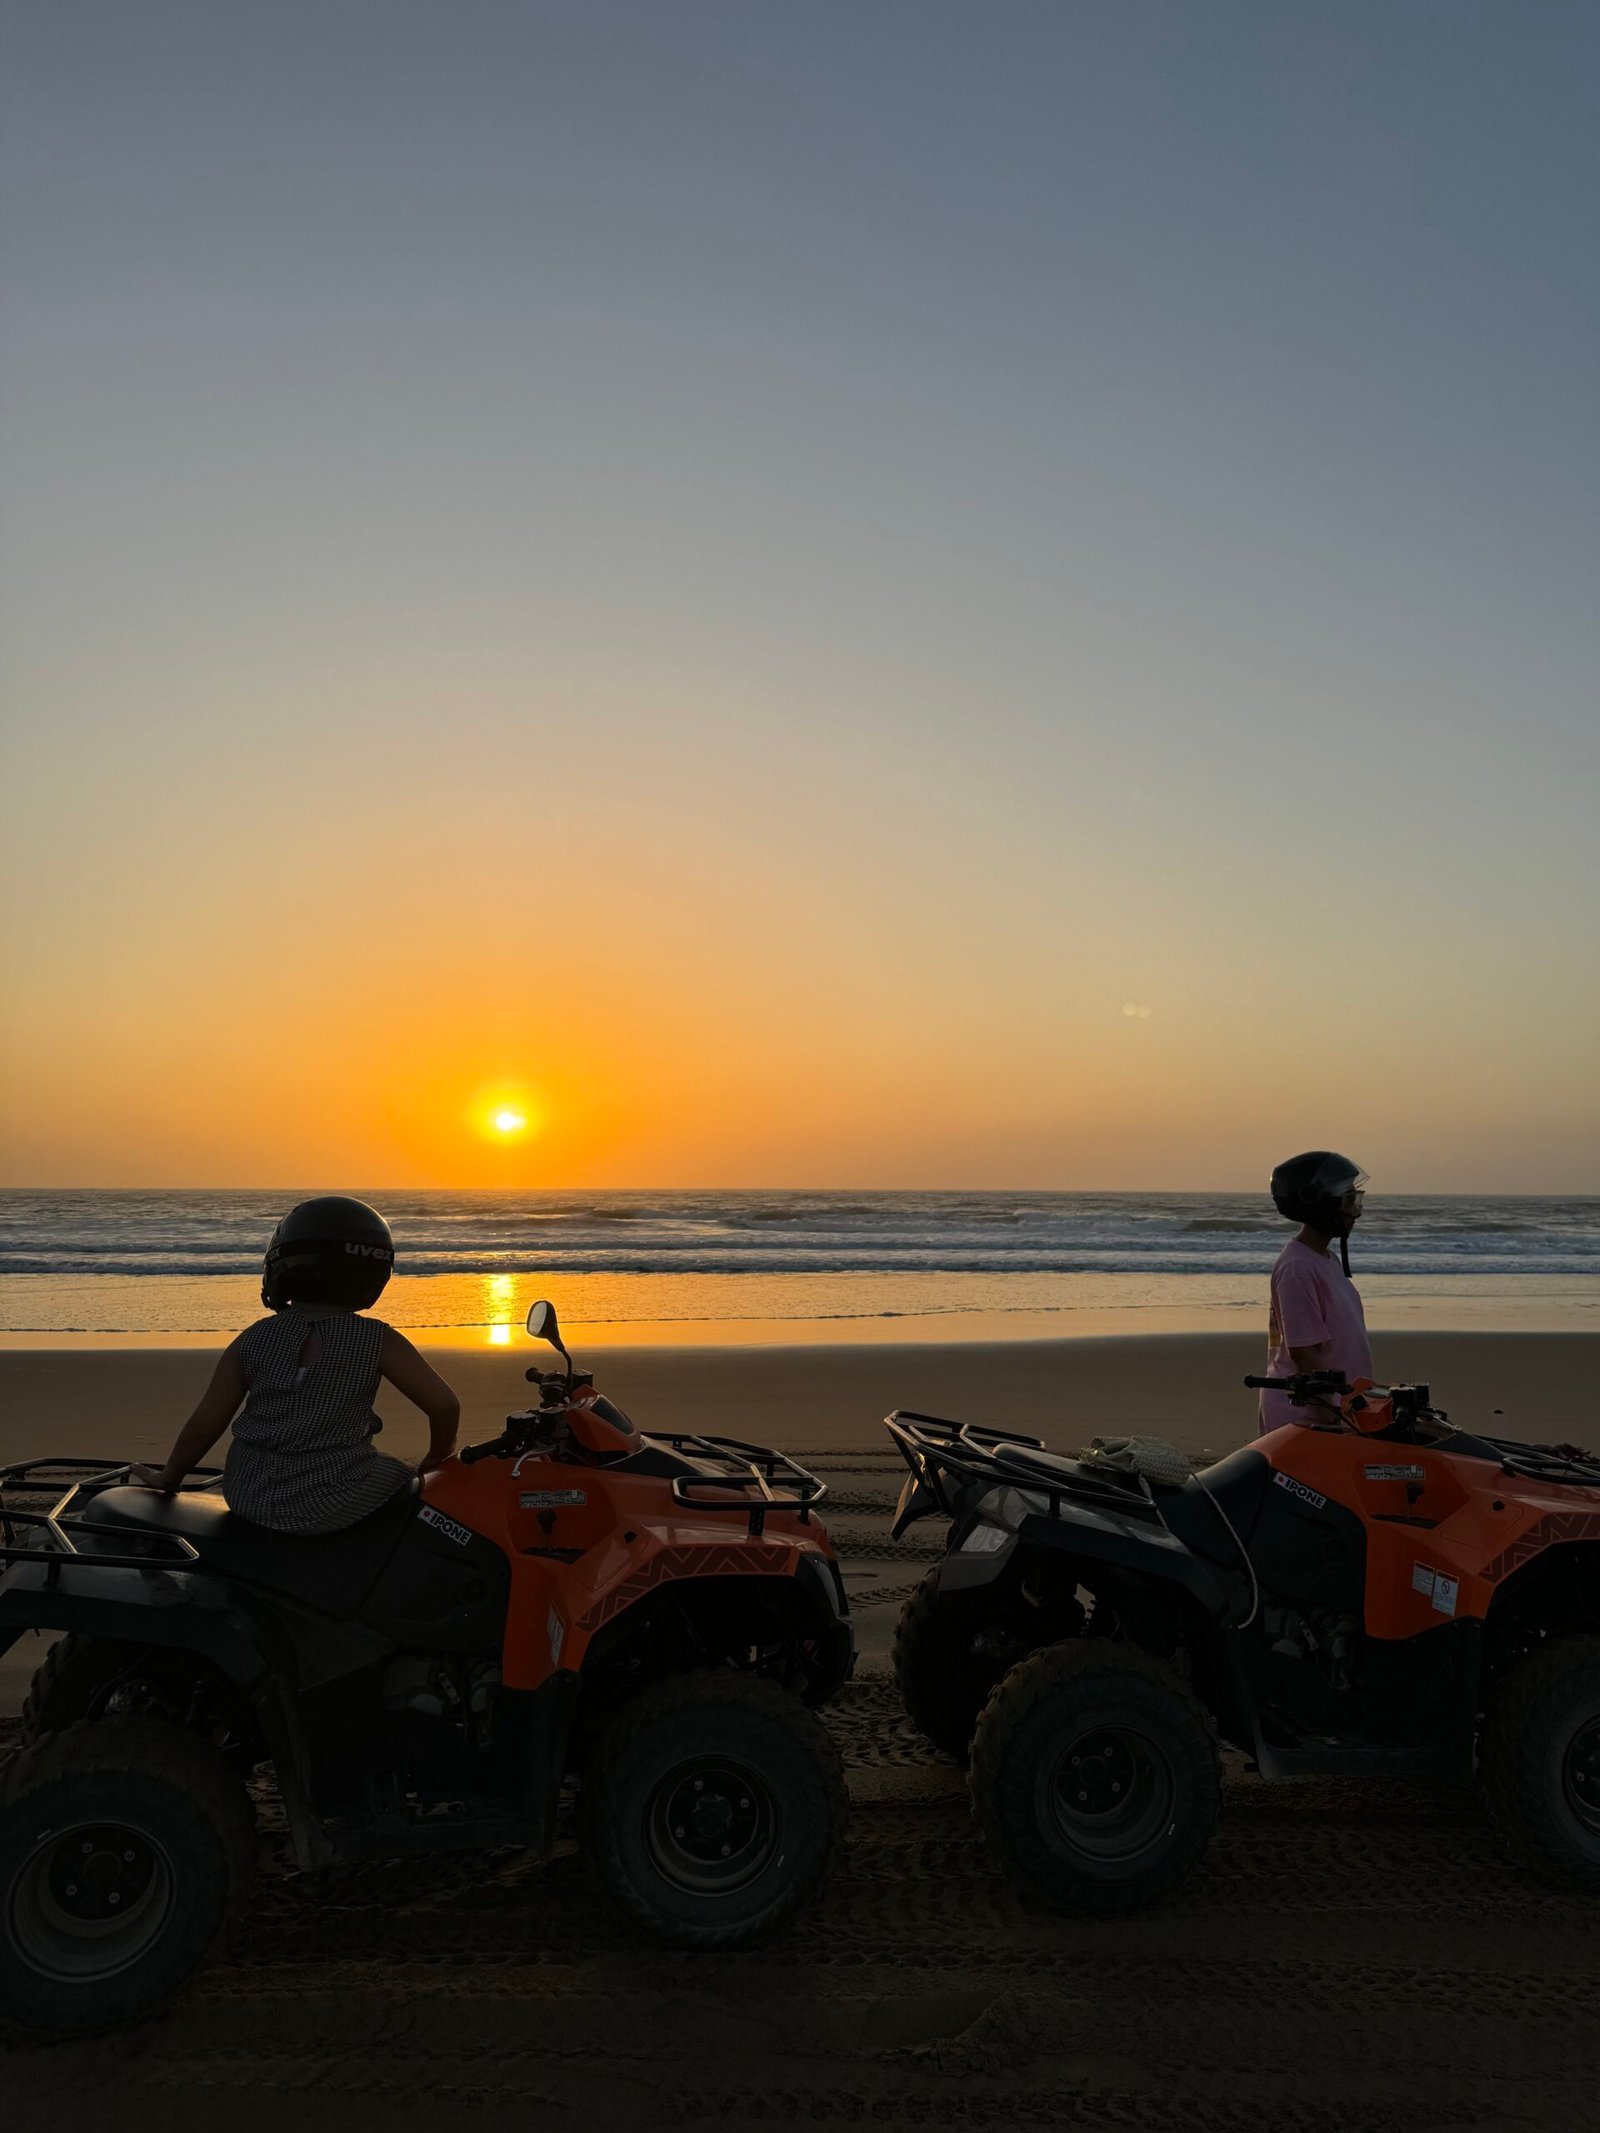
column 333, row 1251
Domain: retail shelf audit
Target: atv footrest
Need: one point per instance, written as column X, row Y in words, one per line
column 506, row 1829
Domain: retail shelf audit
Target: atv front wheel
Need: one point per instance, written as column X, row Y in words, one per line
column 1095, row 1777
column 711, row 1807
column 950, row 1652
column 1541, row 1761
column 123, row 1845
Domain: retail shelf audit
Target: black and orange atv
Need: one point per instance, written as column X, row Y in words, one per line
column 1370, row 1593
column 650, row 1615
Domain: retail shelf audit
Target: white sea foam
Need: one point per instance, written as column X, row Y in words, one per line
column 149, row 1261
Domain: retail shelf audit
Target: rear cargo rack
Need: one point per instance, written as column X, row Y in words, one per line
column 748, row 1468
column 66, row 1483
column 933, row 1447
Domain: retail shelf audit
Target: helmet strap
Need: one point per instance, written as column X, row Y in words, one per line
column 1344, row 1252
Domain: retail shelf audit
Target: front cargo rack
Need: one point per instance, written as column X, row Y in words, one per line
column 754, row 1470
column 66, row 1486
column 1567, row 1465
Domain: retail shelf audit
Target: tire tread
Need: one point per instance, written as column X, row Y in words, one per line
column 135, row 1747
column 1032, row 1682
column 1525, row 1707
column 599, row 1835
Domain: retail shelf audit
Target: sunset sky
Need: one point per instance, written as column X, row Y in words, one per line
column 828, row 594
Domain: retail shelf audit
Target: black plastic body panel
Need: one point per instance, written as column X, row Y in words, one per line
column 183, row 1610
column 439, row 1594
column 1311, row 1551
column 1132, row 1545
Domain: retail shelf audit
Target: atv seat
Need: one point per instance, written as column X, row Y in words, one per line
column 332, row 1572
column 1236, row 1485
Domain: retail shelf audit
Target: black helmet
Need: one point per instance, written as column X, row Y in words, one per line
column 331, row 1251
column 1312, row 1187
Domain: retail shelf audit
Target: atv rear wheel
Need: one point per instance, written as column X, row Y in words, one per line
column 97, row 1677
column 1541, row 1761
column 950, row 1653
column 1095, row 1777
column 74, row 1681
column 123, row 1845
column 711, row 1807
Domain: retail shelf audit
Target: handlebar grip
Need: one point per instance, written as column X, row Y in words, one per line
column 1269, row 1384
column 474, row 1452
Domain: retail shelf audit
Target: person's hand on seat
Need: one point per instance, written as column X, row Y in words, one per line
column 152, row 1477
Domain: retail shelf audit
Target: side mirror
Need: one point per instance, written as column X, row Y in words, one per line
column 542, row 1324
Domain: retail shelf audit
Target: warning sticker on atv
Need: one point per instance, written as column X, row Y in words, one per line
column 1442, row 1591
column 1299, row 1489
column 447, row 1526
column 550, row 1499
column 1397, row 1473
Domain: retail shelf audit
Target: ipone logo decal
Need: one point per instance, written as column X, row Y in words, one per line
column 447, row 1526
column 1298, row 1488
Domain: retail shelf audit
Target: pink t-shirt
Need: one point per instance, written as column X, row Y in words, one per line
column 1314, row 1303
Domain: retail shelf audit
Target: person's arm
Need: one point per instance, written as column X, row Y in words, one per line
column 424, row 1388
column 219, row 1403
column 1315, row 1358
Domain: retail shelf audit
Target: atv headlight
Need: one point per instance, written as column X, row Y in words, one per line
column 984, row 1540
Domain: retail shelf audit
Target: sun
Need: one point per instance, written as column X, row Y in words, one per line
column 508, row 1115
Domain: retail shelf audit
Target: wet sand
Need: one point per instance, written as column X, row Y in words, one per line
column 1350, row 1959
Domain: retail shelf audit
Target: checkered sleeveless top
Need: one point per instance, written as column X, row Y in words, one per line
column 302, row 1458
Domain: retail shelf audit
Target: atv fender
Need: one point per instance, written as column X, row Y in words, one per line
column 970, row 1569
column 145, row 1606
column 1092, row 1535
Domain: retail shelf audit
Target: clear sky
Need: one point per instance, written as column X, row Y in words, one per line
column 744, row 580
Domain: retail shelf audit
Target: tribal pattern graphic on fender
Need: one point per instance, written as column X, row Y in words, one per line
column 1559, row 1526
column 736, row 1559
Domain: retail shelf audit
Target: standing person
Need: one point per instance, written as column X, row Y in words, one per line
column 302, row 1458
column 1316, row 1320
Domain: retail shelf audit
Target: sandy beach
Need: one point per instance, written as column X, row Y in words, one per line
column 1350, row 1957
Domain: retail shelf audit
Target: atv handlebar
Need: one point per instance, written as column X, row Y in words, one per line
column 1305, row 1385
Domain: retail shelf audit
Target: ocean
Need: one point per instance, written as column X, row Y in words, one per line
column 184, row 1266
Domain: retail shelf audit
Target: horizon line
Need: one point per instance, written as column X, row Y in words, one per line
column 1126, row 1192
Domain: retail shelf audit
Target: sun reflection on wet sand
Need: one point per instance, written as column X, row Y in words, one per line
column 499, row 1308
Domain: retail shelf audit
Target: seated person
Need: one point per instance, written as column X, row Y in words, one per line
column 298, row 1386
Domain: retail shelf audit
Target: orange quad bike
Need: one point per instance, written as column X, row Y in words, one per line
column 1370, row 1593
column 655, row 1617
